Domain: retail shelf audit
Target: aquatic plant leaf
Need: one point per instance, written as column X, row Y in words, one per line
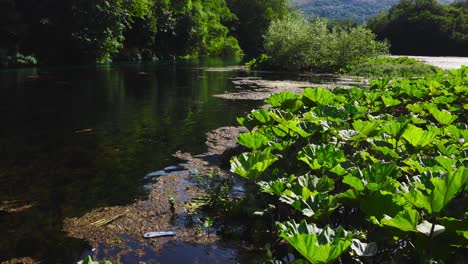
column 261, row 116
column 434, row 198
column 390, row 101
column 320, row 96
column 446, row 189
column 315, row 244
column 447, row 163
column 276, row 187
column 406, row 220
column 318, row 156
column 379, row 204
column 285, row 100
column 252, row 141
column 354, row 182
column 386, row 151
column 251, row 165
column 444, row 117
column 418, row 137
column 395, row 128
column 367, row 128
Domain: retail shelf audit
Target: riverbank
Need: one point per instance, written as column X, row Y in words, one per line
column 173, row 204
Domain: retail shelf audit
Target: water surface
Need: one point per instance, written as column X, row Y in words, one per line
column 77, row 138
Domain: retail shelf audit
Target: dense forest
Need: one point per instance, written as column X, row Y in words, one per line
column 356, row 10
column 100, row 31
column 85, row 31
column 424, row 27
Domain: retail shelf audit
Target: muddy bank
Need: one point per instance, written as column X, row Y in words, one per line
column 117, row 232
column 259, row 89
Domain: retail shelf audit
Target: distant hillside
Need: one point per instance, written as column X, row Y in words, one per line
column 357, row 10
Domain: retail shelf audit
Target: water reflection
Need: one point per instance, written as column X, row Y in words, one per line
column 74, row 139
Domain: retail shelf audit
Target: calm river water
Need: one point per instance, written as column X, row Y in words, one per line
column 77, row 138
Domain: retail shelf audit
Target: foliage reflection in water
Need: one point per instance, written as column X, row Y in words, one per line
column 74, row 139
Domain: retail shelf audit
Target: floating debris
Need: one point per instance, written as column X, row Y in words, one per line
column 159, row 234
column 103, row 221
column 156, row 174
column 87, row 130
column 171, row 168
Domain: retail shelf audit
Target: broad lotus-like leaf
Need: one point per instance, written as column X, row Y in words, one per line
column 385, row 151
column 276, row 187
column 447, row 163
column 315, row 244
column 434, row 198
column 444, row 117
column 320, row 96
column 316, row 184
column 250, row 165
column 367, row 128
column 354, row 182
column 318, row 156
column 262, row 116
column 406, row 220
column 446, row 189
column 285, row 100
column 316, row 206
column 331, row 112
column 390, row 101
column 395, row 128
column 379, row 176
column 379, row 204
column 418, row 137
column 252, row 140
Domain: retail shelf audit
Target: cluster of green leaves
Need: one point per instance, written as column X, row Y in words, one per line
column 373, row 174
column 85, row 31
column 391, row 67
column 89, row 260
column 293, row 43
column 411, row 25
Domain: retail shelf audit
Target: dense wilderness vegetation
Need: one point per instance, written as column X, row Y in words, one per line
column 100, row 31
column 424, row 27
column 355, row 10
column 294, row 43
column 373, row 175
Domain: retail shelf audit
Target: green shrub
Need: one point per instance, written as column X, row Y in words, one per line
column 294, row 43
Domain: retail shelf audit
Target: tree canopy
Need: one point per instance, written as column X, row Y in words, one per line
column 424, row 27
column 84, row 31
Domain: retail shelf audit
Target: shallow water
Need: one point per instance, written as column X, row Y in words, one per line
column 77, row 138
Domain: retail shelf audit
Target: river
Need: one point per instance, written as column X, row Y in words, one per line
column 77, row 138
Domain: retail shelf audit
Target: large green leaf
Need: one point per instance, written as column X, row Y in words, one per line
column 315, row 244
column 437, row 193
column 406, row 220
column 251, row 165
column 418, row 137
column 318, row 156
column 320, row 96
column 252, row 140
column 367, row 128
column 444, row 117
column 390, row 101
column 446, row 189
column 285, row 100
